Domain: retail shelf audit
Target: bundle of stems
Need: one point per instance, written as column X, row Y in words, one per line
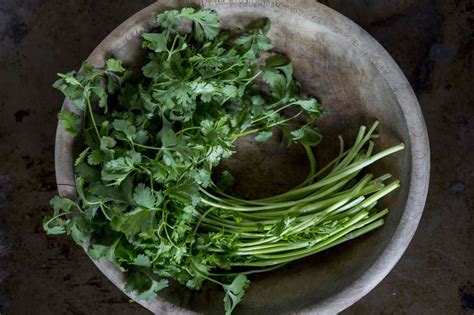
column 331, row 206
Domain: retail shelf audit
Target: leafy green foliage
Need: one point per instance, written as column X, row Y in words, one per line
column 58, row 222
column 206, row 23
column 307, row 135
column 70, row 122
column 263, row 136
column 153, row 290
column 152, row 139
column 234, row 292
column 114, row 65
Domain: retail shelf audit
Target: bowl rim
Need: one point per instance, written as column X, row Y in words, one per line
column 312, row 12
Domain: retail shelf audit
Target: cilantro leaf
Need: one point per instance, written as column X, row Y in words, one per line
column 79, row 236
column 106, row 145
column 95, row 157
column 307, row 135
column 126, row 127
column 98, row 251
column 263, row 136
column 206, row 23
column 102, row 95
column 186, row 191
column 234, row 293
column 152, row 291
column 142, row 261
column 310, row 105
column 81, row 157
column 114, row 65
column 115, row 171
column 169, row 19
column 62, row 205
column 145, row 197
column 255, row 42
column 155, row 41
column 72, row 89
column 54, row 229
column 59, row 222
column 135, row 221
column 70, row 122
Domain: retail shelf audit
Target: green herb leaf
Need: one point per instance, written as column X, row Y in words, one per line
column 95, row 157
column 310, row 105
column 153, row 290
column 145, row 197
column 79, row 236
column 70, row 122
column 155, row 41
column 206, row 23
column 98, row 252
column 234, row 293
column 263, row 136
column 115, row 171
column 142, row 260
column 307, row 135
column 114, row 65
column 134, row 222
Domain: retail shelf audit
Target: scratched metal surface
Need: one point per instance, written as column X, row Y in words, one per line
column 432, row 41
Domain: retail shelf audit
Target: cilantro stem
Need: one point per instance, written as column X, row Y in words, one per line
column 172, row 51
column 226, row 274
column 225, row 70
column 91, row 113
column 312, row 164
column 187, row 129
column 262, row 253
column 148, row 147
column 272, row 113
column 279, row 123
column 205, row 276
column 249, row 80
column 337, row 175
column 339, row 238
column 104, row 212
column 246, row 133
column 54, row 218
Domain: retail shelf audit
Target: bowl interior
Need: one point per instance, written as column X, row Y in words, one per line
column 353, row 92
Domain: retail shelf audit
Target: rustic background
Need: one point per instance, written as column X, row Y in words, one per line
column 431, row 40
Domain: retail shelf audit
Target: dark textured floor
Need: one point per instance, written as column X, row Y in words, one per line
column 431, row 40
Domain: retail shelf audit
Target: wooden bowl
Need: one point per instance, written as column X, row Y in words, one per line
column 357, row 82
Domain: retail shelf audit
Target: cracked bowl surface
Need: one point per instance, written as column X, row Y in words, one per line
column 357, row 82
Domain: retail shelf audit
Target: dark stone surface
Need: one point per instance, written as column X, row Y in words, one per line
column 431, row 40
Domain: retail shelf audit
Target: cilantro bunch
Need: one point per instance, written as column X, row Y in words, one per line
column 145, row 196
